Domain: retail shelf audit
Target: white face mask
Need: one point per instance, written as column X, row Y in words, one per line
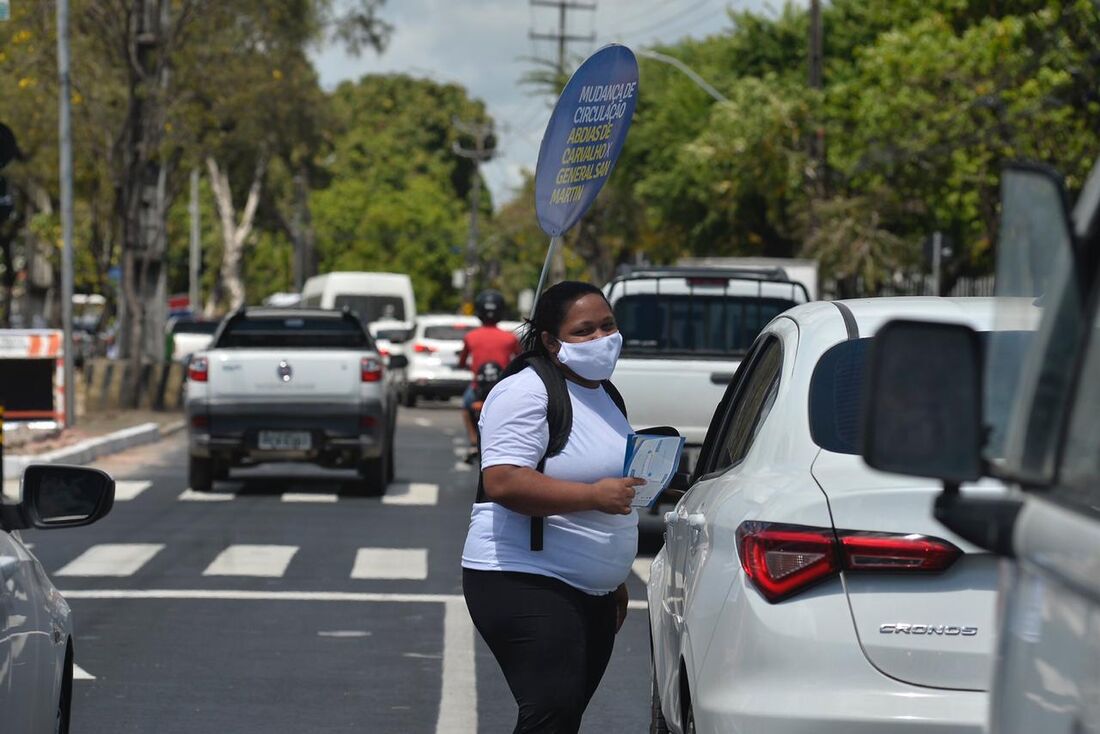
column 594, row 359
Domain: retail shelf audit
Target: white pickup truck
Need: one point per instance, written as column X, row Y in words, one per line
column 291, row 385
column 685, row 331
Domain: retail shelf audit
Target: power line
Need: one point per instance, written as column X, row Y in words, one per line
column 676, row 20
column 562, row 37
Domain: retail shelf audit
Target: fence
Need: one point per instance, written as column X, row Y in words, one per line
column 113, row 384
column 907, row 285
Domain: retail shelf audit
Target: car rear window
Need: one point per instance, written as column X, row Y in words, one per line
column 837, row 385
column 693, row 324
column 195, row 327
column 453, row 333
column 295, row 332
column 372, row 308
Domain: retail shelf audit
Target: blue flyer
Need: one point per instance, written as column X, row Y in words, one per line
column 652, row 458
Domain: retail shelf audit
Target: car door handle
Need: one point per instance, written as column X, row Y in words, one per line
column 721, row 378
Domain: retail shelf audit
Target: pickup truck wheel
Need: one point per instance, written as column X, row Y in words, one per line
column 391, row 465
column 220, row 471
column 373, row 475
column 200, row 474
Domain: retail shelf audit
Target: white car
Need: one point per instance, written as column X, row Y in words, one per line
column 370, row 296
column 188, row 336
column 433, row 360
column 1038, row 431
column 36, row 628
column 291, row 385
column 391, row 338
column 801, row 591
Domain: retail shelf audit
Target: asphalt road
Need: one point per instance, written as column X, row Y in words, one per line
column 283, row 604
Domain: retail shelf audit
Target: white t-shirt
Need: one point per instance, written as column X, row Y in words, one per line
column 591, row 551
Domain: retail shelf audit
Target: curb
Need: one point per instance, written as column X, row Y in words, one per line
column 88, row 451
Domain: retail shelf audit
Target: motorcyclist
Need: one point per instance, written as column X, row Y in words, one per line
column 481, row 346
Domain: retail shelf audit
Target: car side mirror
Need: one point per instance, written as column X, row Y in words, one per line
column 58, row 496
column 923, row 405
column 398, row 361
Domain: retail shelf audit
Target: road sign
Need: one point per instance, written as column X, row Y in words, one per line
column 5, row 9
column 584, row 137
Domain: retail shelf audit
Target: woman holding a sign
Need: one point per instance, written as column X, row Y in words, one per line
column 553, row 533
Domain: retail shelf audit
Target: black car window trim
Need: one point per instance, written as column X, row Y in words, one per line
column 766, row 340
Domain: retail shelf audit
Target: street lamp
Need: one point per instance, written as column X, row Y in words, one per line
column 687, row 71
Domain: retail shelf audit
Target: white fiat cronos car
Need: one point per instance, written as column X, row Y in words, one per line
column 801, row 591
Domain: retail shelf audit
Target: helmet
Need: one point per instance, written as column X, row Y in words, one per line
column 489, row 306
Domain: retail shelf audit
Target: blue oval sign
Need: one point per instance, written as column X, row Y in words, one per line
column 585, row 134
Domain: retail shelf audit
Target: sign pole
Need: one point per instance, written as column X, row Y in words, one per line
column 555, row 244
column 66, row 165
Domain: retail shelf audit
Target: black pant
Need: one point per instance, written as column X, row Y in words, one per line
column 551, row 640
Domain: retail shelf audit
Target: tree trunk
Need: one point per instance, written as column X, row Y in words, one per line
column 234, row 233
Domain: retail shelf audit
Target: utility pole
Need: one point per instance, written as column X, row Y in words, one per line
column 562, row 37
column 817, row 82
column 482, row 134
column 194, row 294
column 65, row 132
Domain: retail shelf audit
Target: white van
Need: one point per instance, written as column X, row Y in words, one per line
column 370, row 296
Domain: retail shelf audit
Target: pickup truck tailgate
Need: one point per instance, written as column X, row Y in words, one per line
column 274, row 375
column 682, row 393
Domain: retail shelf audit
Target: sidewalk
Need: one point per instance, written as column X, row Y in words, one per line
column 97, row 435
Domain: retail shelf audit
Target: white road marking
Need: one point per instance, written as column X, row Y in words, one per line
column 390, row 563
column 111, row 559
column 463, row 466
column 344, row 634
column 128, row 490
column 411, row 494
column 125, row 490
column 461, row 452
column 269, row 561
column 457, row 712
column 80, row 674
column 243, row 595
column 309, row 497
column 459, row 441
column 423, row 422
column 190, row 495
column 641, row 567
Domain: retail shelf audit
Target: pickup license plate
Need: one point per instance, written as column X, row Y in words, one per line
column 285, row 441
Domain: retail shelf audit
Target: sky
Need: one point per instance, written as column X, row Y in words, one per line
column 484, row 46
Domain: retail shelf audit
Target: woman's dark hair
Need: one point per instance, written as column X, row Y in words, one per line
column 550, row 312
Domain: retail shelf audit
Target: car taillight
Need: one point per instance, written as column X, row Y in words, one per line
column 424, row 348
column 886, row 552
column 370, row 368
column 200, row 421
column 782, row 560
column 198, row 370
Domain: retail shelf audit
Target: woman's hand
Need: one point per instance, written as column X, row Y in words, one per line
column 613, row 495
column 622, row 599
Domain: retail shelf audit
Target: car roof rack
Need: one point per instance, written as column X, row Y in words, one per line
column 776, row 274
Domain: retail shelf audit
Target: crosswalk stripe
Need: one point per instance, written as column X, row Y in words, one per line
column 252, row 560
column 411, row 494
column 641, row 567
column 128, row 490
column 190, row 495
column 111, row 559
column 80, row 674
column 463, row 466
column 308, row 497
column 390, row 563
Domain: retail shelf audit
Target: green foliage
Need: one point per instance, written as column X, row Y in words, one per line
column 924, row 102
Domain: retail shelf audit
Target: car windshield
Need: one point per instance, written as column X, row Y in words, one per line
column 451, row 333
column 294, row 332
column 395, row 336
column 837, row 388
column 701, row 325
column 372, row 308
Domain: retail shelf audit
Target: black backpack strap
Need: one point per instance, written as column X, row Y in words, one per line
column 559, row 419
column 616, row 396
